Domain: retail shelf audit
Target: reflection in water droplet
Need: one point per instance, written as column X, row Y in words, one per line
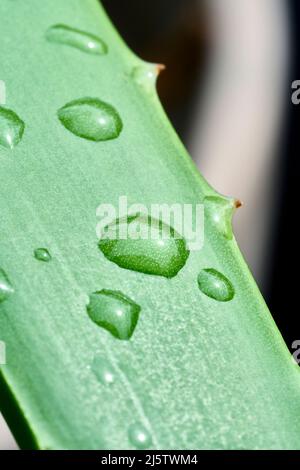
column 103, row 370
column 144, row 244
column 146, row 75
column 139, row 436
column 115, row 312
column 86, row 42
column 42, row 254
column 11, row 128
column 6, row 289
column 91, row 119
column 215, row 285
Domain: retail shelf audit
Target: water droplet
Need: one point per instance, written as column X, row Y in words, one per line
column 220, row 211
column 139, row 436
column 86, row 42
column 11, row 128
column 103, row 370
column 215, row 285
column 144, row 244
column 91, row 119
column 42, row 254
column 146, row 75
column 6, row 289
column 114, row 311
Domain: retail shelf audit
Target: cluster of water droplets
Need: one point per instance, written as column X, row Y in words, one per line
column 163, row 255
column 95, row 120
column 87, row 117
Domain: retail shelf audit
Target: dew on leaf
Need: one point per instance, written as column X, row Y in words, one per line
column 103, row 370
column 139, row 436
column 215, row 285
column 86, row 42
column 91, row 119
column 11, row 128
column 144, row 244
column 42, row 254
column 114, row 311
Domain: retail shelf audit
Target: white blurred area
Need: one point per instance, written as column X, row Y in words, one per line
column 237, row 125
column 7, row 442
column 234, row 136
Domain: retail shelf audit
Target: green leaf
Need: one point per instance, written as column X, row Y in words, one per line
column 196, row 372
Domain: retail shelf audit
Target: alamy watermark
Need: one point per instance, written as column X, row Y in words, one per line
column 296, row 354
column 2, row 92
column 158, row 222
column 295, row 97
column 2, row 353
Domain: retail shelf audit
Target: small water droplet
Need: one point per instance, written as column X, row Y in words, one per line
column 86, row 42
column 114, row 311
column 139, row 436
column 91, row 119
column 42, row 254
column 220, row 211
column 144, row 244
column 103, row 370
column 6, row 289
column 146, row 75
column 215, row 285
column 11, row 128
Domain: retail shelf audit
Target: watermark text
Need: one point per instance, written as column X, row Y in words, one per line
column 159, row 221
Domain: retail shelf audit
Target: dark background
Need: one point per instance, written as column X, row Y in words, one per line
column 284, row 282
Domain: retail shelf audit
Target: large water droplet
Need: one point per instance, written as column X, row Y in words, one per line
column 6, row 289
column 139, row 436
column 103, row 370
column 114, row 311
column 215, row 285
column 11, row 128
column 42, row 254
column 144, row 244
column 86, row 42
column 91, row 118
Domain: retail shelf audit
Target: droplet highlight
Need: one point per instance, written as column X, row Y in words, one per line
column 91, row 119
column 86, row 42
column 103, row 370
column 6, row 288
column 139, row 436
column 11, row 128
column 114, row 312
column 42, row 254
column 215, row 285
column 220, row 211
column 144, row 244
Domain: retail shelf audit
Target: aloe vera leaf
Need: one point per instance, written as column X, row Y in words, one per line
column 196, row 372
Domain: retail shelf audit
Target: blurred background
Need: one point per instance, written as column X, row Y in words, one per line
column 227, row 91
